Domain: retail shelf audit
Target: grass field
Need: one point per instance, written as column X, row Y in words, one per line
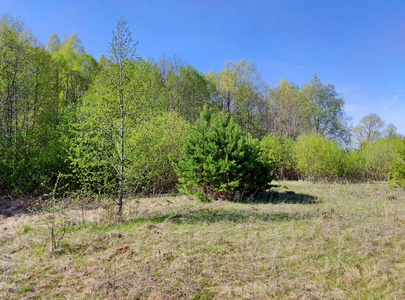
column 306, row 241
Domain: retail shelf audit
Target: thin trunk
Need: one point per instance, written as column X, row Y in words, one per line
column 122, row 154
column 121, row 182
column 9, row 118
column 228, row 102
column 36, row 100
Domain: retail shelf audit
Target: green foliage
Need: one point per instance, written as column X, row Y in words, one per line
column 25, row 289
column 240, row 91
column 322, row 159
column 354, row 162
column 61, row 112
column 373, row 161
column 73, row 69
column 279, row 151
column 318, row 158
column 149, row 169
column 31, row 152
column 288, row 111
column 369, row 129
column 397, row 175
column 221, row 160
column 377, row 158
column 90, row 153
column 327, row 116
column 95, row 149
column 187, row 92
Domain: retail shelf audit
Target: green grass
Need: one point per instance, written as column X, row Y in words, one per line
column 307, row 241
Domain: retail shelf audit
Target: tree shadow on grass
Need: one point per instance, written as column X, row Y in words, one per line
column 247, row 214
column 209, row 216
column 289, row 197
column 10, row 206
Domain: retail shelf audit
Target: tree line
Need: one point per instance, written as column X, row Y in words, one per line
column 121, row 121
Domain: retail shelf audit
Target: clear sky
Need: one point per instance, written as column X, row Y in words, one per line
column 357, row 45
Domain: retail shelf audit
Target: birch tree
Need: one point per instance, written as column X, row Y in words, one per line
column 124, row 93
column 122, row 55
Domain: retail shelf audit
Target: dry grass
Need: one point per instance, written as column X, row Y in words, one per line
column 310, row 241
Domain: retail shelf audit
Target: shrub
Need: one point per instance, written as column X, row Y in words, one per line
column 149, row 169
column 90, row 157
column 31, row 166
column 220, row 160
column 278, row 150
column 378, row 158
column 321, row 159
column 318, row 158
column 354, row 162
column 397, row 174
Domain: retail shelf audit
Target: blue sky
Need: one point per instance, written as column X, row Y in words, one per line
column 357, row 45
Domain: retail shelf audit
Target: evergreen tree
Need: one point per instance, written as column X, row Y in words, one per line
column 220, row 160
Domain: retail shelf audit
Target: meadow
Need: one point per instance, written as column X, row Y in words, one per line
column 301, row 240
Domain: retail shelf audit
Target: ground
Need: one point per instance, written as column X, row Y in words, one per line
column 304, row 240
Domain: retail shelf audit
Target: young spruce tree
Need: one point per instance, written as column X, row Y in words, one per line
column 220, row 160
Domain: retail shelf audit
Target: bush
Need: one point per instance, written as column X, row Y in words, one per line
column 318, row 158
column 149, row 169
column 31, row 166
column 278, row 150
column 321, row 159
column 378, row 158
column 90, row 157
column 354, row 162
column 220, row 160
column 397, row 174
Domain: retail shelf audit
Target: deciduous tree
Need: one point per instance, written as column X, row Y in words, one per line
column 328, row 117
column 241, row 92
column 369, row 129
column 287, row 111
